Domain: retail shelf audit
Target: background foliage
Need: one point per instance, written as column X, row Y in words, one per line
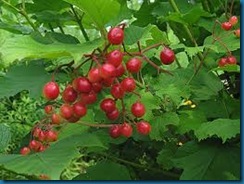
column 198, row 141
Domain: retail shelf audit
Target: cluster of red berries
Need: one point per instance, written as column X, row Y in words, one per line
column 108, row 72
column 41, row 140
column 229, row 60
column 228, row 25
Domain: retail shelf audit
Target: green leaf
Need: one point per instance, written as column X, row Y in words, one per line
column 208, row 162
column 105, row 170
column 21, row 47
column 222, row 128
column 99, row 11
column 230, row 41
column 130, row 36
column 228, row 68
column 159, row 125
column 5, row 136
column 164, row 158
column 29, row 77
column 190, row 120
column 52, row 161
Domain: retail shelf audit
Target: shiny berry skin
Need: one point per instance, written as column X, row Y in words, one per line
column 66, row 111
column 51, row 90
column 117, row 92
column 94, row 75
column 107, row 71
column 126, row 129
column 237, row 33
column 108, row 105
column 167, row 56
column 42, row 148
column 128, row 84
column 69, row 95
column 113, row 115
column 120, row 70
column 56, row 119
column 89, row 98
column 233, row 20
column 79, row 109
column 34, row 145
column 114, row 57
column 51, row 136
column 133, row 65
column 222, row 62
column 138, row 109
column 48, row 109
column 114, row 131
column 231, row 60
column 97, row 87
column 82, row 85
column 226, row 26
column 143, row 127
column 25, row 151
column 116, row 36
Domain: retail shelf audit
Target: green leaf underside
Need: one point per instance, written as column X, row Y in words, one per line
column 25, row 47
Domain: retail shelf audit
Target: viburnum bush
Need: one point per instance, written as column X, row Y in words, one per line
column 129, row 90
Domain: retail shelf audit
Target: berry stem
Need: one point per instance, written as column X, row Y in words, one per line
column 78, row 20
column 154, row 65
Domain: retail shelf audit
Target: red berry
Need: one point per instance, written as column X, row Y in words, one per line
column 143, row 127
column 167, row 56
column 108, row 82
column 66, row 111
column 42, row 136
column 237, row 33
column 51, row 136
column 128, row 84
column 114, row 57
column 126, row 129
column 48, row 109
column 42, row 148
column 34, row 145
column 73, row 119
column 108, row 105
column 113, row 115
column 120, row 70
column 117, row 92
column 138, row 109
column 107, row 71
column 50, row 90
column 231, row 60
column 97, row 87
column 226, row 26
column 114, row 131
column 89, row 98
column 233, row 20
column 56, row 119
column 94, row 75
column 133, row 65
column 222, row 62
column 36, row 132
column 116, row 36
column 82, row 85
column 79, row 109
column 25, row 151
column 69, row 94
